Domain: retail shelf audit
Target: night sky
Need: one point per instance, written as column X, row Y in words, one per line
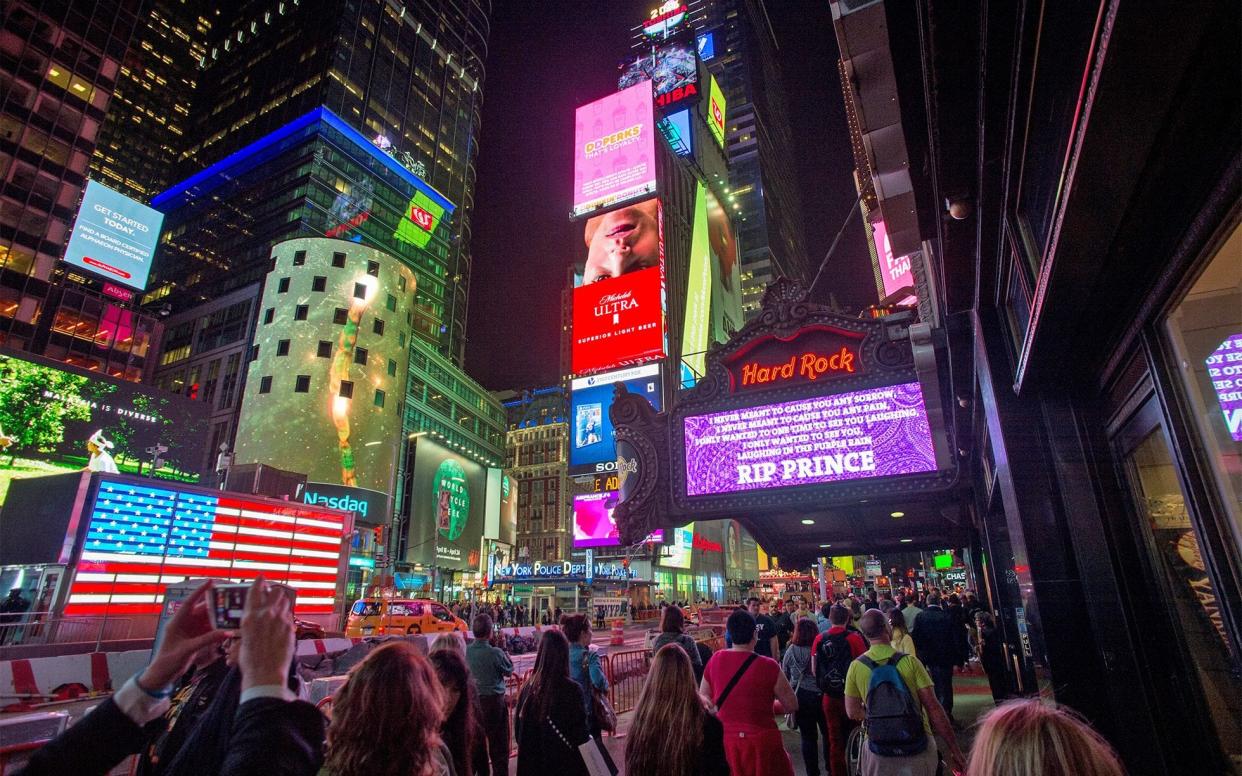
column 540, row 67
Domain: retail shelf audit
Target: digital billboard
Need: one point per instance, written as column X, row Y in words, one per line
column 875, row 432
column 619, row 308
column 368, row 506
column 422, row 217
column 447, row 508
column 895, row 270
column 713, row 285
column 593, row 522
column 716, row 111
column 676, row 130
column 614, row 149
column 143, row 537
column 672, row 69
column 707, row 45
column 680, row 548
column 592, row 446
column 114, row 236
column 53, row 421
column 1224, row 368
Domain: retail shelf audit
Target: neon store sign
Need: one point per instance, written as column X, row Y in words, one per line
column 811, row 356
column 664, row 19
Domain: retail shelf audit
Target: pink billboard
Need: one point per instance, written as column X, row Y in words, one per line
column 593, row 522
column 614, row 149
column 896, row 271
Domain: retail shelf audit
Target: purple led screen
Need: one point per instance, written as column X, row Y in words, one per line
column 877, row 432
column 1225, row 371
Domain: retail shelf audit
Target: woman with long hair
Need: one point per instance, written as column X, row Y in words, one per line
column 386, row 718
column 902, row 640
column 672, row 622
column 672, row 733
column 462, row 731
column 812, row 724
column 1030, row 738
column 551, row 721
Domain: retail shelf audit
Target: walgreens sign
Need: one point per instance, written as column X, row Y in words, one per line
column 619, row 322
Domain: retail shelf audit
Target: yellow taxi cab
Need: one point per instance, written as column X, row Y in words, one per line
column 395, row 616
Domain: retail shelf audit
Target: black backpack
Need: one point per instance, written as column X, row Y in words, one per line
column 832, row 663
column 894, row 722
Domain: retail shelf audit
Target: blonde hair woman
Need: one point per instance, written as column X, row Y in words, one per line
column 1029, row 738
column 673, row 734
column 902, row 640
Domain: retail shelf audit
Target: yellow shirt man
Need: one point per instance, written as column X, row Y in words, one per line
column 912, row 672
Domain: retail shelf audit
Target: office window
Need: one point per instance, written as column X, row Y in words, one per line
column 360, row 291
column 378, row 327
column 400, row 339
column 299, row 258
column 254, row 353
column 338, row 259
column 299, row 312
column 282, row 286
column 360, row 356
column 265, row 384
column 373, row 268
column 392, row 303
column 347, row 390
column 301, row 384
column 379, row 398
column 268, row 315
column 401, row 282
column 340, row 316
column 319, row 283
column 392, row 368
column 325, row 349
column 282, row 348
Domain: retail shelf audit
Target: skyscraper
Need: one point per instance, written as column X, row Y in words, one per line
column 763, row 192
column 407, row 78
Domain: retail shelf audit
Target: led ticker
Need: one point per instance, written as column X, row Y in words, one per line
column 875, row 432
column 141, row 538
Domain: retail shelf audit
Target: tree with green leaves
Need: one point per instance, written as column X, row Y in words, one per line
column 35, row 402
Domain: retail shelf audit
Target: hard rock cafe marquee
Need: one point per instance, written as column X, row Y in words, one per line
column 802, row 408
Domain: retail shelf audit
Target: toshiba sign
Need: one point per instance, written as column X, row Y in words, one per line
column 618, row 321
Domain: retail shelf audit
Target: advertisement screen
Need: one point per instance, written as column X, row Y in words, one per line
column 876, row 432
column 592, row 447
column 895, row 270
column 54, row 421
column 368, row 506
column 707, row 45
column 679, row 550
column 673, row 71
column 614, row 149
column 1224, row 368
column 447, row 508
column 593, row 523
column 114, row 236
column 716, row 112
column 713, row 287
column 676, row 130
column 942, row 560
column 141, row 538
column 422, row 217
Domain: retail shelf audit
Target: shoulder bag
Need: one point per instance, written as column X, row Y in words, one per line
column 601, row 709
column 736, row 678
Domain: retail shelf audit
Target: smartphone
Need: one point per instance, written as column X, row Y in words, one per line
column 228, row 604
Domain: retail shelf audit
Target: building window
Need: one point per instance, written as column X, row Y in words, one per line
column 360, row 356
column 401, row 283
column 269, row 315
column 392, row 368
column 400, row 339
column 324, row 350
column 338, row 260
column 373, row 268
column 301, row 384
column 282, row 348
column 282, row 286
column 347, row 390
column 379, row 398
column 254, row 353
column 378, row 326
column 340, row 316
column 319, row 283
column 391, row 303
column 299, row 258
column 360, row 291
column 299, row 312
column 265, row 384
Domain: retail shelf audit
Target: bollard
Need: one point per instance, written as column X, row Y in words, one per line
column 618, row 634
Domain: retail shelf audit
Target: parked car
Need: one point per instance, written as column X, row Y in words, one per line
column 383, row 616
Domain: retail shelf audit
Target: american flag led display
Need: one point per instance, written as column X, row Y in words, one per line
column 141, row 538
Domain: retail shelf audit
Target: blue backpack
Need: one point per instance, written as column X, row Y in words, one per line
column 894, row 721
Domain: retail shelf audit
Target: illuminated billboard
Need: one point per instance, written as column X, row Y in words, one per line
column 875, row 432
column 680, row 548
column 664, row 19
column 114, row 236
column 447, row 508
column 706, row 44
column 676, row 130
column 593, row 522
column 53, row 421
column 614, row 150
column 422, row 217
column 713, row 285
column 592, row 446
column 672, row 69
column 716, row 111
column 1224, row 368
column 619, row 308
column 143, row 537
column 895, row 270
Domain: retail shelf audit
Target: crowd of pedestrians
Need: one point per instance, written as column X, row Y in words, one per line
column 221, row 701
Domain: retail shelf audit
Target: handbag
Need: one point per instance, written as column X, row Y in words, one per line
column 589, row 750
column 601, row 709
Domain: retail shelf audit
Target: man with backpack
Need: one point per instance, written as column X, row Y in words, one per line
column 892, row 694
column 831, row 655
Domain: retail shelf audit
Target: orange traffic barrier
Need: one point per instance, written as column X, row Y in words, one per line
column 618, row 634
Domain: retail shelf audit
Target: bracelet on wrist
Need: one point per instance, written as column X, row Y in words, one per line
column 159, row 694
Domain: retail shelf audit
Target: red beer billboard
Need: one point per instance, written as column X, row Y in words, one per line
column 619, row 321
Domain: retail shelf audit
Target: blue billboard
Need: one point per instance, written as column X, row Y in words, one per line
column 592, row 447
column 706, row 44
column 114, row 236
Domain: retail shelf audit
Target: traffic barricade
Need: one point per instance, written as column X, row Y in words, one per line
column 626, row 672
